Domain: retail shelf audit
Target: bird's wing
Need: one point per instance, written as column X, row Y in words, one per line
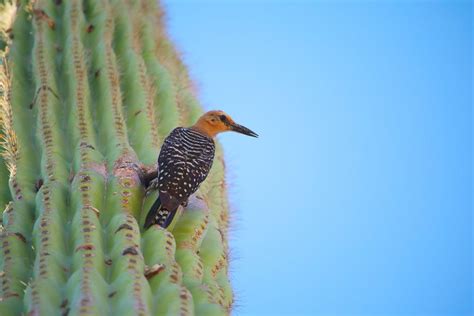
column 184, row 162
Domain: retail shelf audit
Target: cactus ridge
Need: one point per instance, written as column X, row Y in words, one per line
column 8, row 140
column 95, row 88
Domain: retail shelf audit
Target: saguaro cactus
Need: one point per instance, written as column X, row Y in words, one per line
column 89, row 90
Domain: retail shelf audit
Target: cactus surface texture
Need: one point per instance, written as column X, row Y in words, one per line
column 89, row 89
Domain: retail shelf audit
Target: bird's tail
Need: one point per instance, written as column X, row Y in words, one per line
column 159, row 215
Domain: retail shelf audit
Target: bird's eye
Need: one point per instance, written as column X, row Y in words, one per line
column 223, row 118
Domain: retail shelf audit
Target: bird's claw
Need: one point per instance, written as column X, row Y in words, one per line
column 153, row 186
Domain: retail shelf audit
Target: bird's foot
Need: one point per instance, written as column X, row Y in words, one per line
column 153, row 186
column 148, row 174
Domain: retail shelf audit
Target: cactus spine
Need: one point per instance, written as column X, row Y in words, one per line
column 89, row 89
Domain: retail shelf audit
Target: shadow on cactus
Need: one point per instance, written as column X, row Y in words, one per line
column 88, row 92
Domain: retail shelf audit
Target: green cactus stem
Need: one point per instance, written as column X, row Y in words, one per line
column 88, row 91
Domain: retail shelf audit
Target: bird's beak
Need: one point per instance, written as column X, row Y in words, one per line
column 242, row 130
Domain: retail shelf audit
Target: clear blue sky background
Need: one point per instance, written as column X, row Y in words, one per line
column 357, row 197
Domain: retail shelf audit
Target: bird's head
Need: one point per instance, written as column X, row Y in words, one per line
column 214, row 122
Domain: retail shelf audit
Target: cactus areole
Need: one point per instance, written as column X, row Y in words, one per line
column 88, row 92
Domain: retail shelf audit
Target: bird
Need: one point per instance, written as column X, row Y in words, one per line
column 184, row 162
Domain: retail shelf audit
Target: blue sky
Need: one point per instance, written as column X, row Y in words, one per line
column 357, row 197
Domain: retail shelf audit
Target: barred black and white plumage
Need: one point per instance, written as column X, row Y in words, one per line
column 183, row 164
